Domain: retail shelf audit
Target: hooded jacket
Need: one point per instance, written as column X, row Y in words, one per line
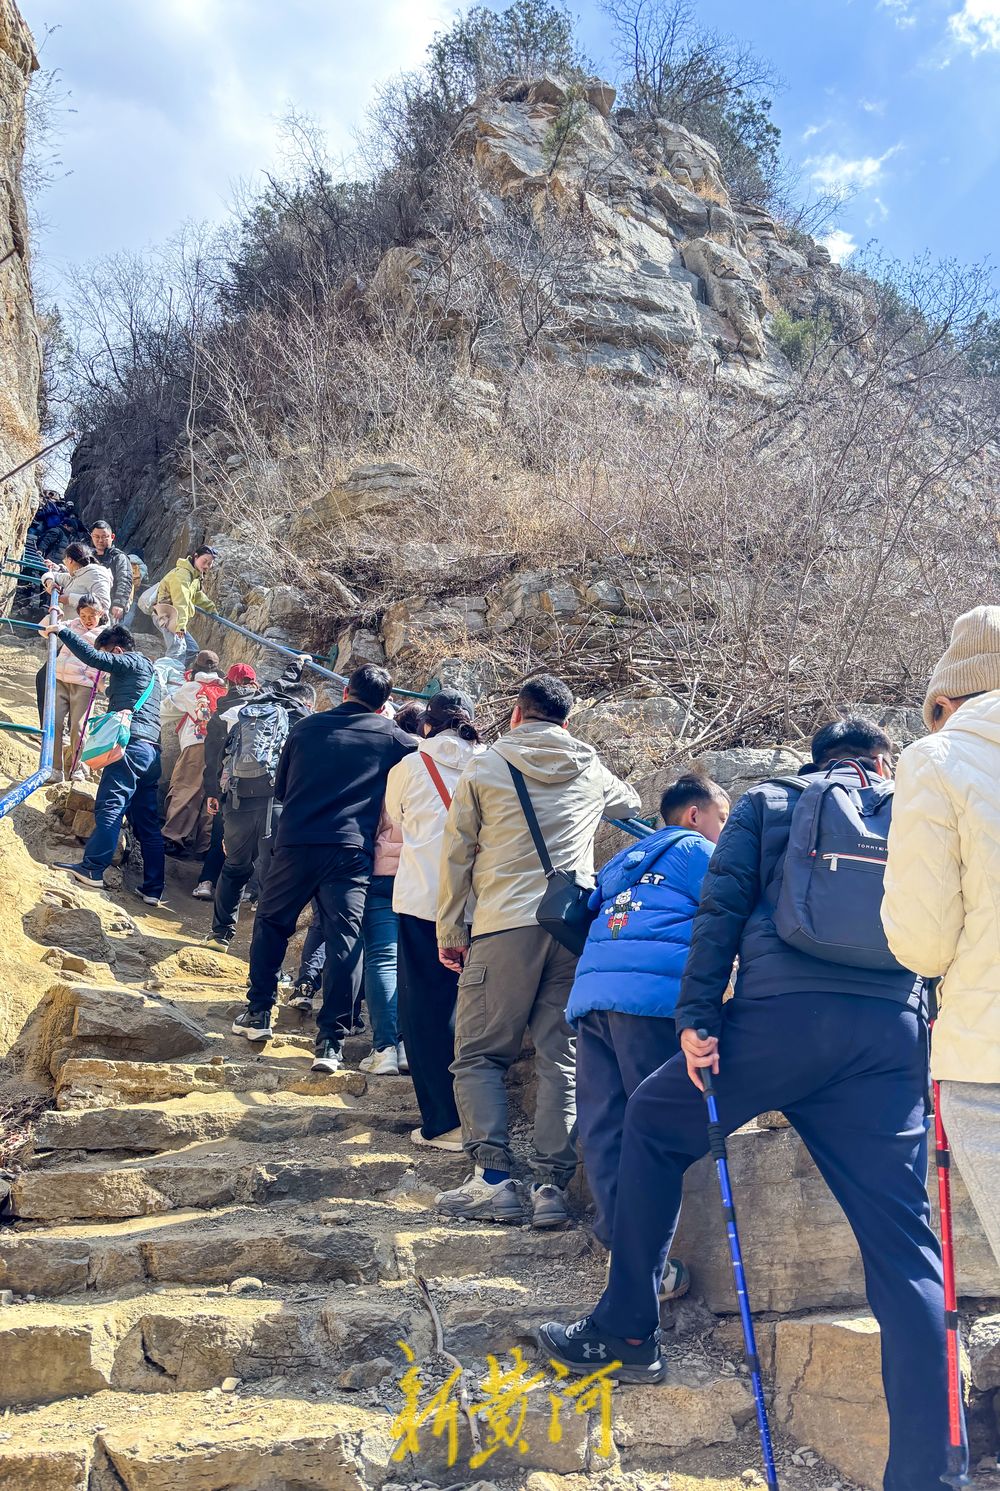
column 182, row 589
column 941, row 909
column 736, row 917
column 413, row 802
column 487, row 848
column 645, row 899
column 89, row 579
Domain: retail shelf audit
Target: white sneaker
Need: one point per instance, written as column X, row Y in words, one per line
column 479, row 1201
column 381, row 1063
column 204, row 891
column 452, row 1141
column 404, row 1065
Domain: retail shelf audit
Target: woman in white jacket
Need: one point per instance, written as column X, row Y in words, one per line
column 941, row 909
column 80, row 575
column 418, row 795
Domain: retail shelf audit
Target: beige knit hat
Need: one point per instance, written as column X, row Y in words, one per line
column 972, row 663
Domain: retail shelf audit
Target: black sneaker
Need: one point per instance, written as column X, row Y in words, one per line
column 583, row 1347
column 329, row 1056
column 254, row 1024
column 173, row 850
column 301, row 997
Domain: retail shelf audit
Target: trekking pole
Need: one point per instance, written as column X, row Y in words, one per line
column 958, row 1456
column 717, row 1149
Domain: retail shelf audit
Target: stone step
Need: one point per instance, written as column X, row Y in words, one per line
column 359, row 1162
column 358, row 1242
column 250, row 1118
column 96, row 1083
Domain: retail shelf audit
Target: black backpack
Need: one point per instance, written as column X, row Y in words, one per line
column 830, row 900
column 253, row 748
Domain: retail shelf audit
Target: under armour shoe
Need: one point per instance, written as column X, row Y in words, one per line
column 254, row 1024
column 480, row 1201
column 329, row 1056
column 584, row 1347
column 548, row 1206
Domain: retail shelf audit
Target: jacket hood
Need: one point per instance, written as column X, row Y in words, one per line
column 979, row 717
column 545, row 753
column 449, row 749
column 207, row 678
column 628, row 867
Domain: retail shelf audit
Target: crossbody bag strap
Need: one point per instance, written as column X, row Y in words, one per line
column 436, row 778
column 145, row 694
column 521, row 788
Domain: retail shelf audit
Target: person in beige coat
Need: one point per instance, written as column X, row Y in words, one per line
column 515, row 976
column 941, row 910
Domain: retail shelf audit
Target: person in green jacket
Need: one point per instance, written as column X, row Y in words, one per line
column 177, row 599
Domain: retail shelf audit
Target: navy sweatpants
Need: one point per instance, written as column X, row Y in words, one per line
column 850, row 1073
column 614, row 1054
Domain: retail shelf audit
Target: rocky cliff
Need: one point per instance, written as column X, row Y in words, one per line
column 20, row 346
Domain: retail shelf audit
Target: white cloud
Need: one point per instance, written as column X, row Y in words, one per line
column 977, row 26
column 835, row 172
column 872, row 105
column 878, row 214
column 841, row 245
column 816, row 129
column 901, row 12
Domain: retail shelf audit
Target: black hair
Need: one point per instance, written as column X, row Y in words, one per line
column 204, row 549
column 88, row 600
column 545, row 697
column 411, row 719
column 79, row 553
column 451, row 710
column 370, row 685
column 103, row 524
column 690, row 790
column 115, row 636
column 302, row 693
column 846, row 740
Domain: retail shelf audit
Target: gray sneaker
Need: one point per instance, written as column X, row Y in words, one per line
column 479, row 1201
column 548, row 1206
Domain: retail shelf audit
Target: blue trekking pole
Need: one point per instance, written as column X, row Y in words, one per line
column 717, row 1149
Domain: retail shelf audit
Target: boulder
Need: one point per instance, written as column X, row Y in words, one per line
column 59, row 920
column 472, row 401
column 355, row 647
column 44, row 1469
column 600, row 96
column 692, row 161
column 743, row 767
column 982, row 1343
column 659, row 715
column 654, row 1425
column 424, row 621
column 58, row 1359
column 828, row 1392
column 378, row 492
column 533, row 593
column 115, row 1022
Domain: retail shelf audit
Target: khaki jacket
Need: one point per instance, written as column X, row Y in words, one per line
column 181, row 588
column 941, row 909
column 487, row 849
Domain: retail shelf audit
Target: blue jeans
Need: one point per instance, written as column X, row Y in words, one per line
column 179, row 645
column 128, row 790
column 850, row 1074
column 380, row 931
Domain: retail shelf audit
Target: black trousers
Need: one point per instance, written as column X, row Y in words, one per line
column 426, row 994
column 244, row 828
column 337, row 876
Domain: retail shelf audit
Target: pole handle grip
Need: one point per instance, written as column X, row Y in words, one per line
column 706, row 1071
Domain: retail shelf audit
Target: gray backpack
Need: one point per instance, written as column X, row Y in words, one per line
column 830, row 900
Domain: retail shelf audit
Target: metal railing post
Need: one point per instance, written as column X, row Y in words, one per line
column 16, row 795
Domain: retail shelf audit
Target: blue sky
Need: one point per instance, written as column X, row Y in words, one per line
column 176, row 101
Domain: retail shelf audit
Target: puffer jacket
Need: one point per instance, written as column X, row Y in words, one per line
column 736, row 916
column 196, row 700
column 941, row 909
column 69, row 668
column 413, row 802
column 646, row 899
column 89, row 579
column 182, row 589
column 388, row 846
column 487, row 847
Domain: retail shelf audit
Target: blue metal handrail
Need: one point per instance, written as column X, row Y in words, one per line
column 16, row 795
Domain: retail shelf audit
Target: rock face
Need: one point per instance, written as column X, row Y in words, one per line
column 20, row 344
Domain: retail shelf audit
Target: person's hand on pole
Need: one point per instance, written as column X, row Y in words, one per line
column 453, row 957
column 48, row 628
column 699, row 1053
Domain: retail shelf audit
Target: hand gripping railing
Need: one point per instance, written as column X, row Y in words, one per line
column 39, row 778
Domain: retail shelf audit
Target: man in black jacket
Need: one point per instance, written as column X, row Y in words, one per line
column 128, row 786
column 102, row 536
column 331, row 785
column 842, row 1051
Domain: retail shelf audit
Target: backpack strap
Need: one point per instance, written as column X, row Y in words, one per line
column 436, row 778
column 527, row 807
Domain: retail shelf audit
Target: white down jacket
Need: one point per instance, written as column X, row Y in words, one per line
column 941, row 910
column 413, row 801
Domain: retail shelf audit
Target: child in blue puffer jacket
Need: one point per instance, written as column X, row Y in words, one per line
column 628, row 979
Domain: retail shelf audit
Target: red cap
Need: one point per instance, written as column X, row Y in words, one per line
column 241, row 673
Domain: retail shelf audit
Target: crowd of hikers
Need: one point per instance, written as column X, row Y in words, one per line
column 788, row 944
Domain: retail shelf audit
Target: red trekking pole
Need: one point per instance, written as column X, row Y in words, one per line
column 957, row 1473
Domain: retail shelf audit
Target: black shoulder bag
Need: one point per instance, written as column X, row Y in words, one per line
column 564, row 910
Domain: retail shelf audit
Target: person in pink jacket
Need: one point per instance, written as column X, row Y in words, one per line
column 75, row 687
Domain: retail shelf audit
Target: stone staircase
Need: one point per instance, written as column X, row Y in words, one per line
column 216, row 1266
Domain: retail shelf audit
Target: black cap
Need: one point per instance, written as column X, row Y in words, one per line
column 446, row 704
